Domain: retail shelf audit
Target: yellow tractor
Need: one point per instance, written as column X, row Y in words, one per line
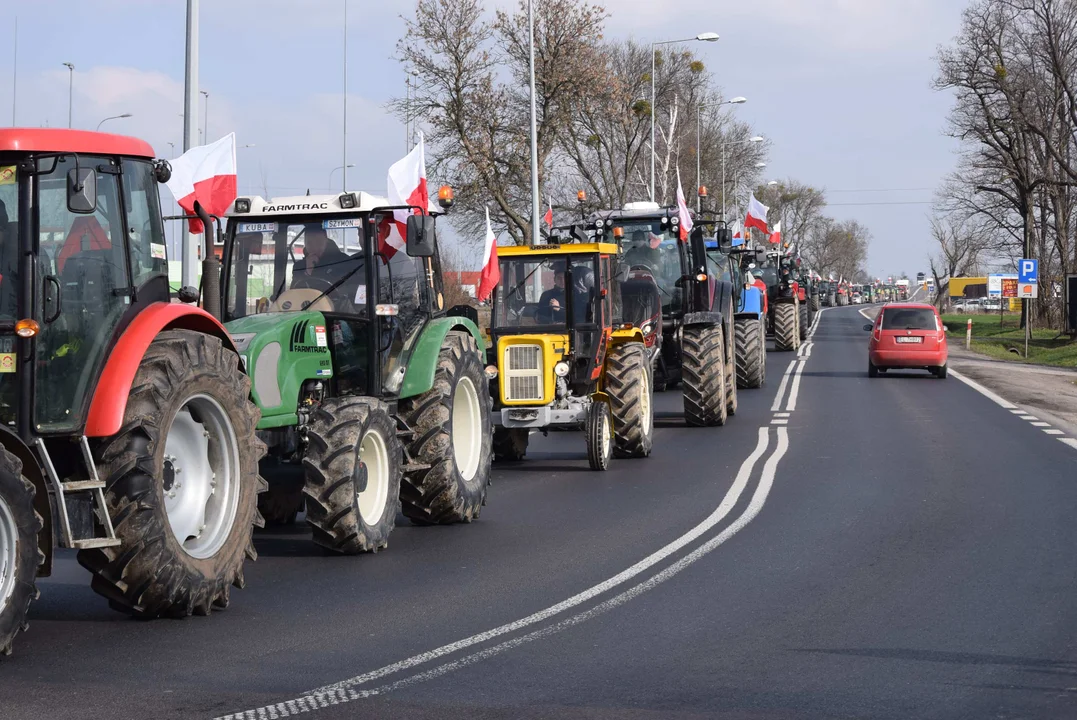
column 563, row 354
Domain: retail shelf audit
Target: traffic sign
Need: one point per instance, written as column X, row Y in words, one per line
column 1009, row 287
column 1028, row 271
column 1027, row 290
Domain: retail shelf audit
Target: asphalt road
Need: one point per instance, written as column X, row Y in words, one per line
column 845, row 548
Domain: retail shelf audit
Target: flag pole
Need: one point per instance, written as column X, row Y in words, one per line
column 535, row 219
column 189, row 251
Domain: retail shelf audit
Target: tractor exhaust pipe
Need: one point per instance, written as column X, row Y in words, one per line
column 211, row 267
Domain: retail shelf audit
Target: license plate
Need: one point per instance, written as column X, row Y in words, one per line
column 910, row 339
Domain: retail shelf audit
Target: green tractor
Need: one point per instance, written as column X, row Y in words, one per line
column 373, row 394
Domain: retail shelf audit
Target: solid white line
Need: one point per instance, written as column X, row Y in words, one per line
column 1052, row 431
column 805, row 350
column 340, row 695
column 1069, row 441
column 719, row 514
column 983, row 391
column 781, row 387
column 866, row 316
column 794, row 391
column 1040, row 424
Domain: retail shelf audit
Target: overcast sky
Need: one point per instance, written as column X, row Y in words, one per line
column 841, row 87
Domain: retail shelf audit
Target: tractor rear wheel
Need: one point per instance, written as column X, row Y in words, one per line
column 599, row 434
column 731, row 374
column 705, row 402
column 510, row 444
column 804, row 321
column 751, row 353
column 182, row 482
column 453, row 438
column 786, row 334
column 816, row 302
column 19, row 554
column 353, row 475
column 628, row 385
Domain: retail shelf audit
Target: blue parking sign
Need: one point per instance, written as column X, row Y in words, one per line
column 1028, row 271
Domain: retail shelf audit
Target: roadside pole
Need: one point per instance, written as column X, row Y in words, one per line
column 968, row 335
column 1028, row 331
column 189, row 252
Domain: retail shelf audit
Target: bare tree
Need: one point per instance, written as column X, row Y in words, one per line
column 961, row 244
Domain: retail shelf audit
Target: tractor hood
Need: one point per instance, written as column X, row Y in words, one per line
column 281, row 351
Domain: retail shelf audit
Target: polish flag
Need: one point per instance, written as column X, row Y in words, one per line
column 491, row 270
column 738, row 237
column 407, row 186
column 776, row 236
column 206, row 175
column 682, row 210
column 757, row 215
column 548, row 217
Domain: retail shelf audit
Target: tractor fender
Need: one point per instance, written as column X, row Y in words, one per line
column 31, row 470
column 723, row 298
column 422, row 363
column 751, row 302
column 113, row 387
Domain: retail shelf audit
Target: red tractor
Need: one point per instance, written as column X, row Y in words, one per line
column 127, row 426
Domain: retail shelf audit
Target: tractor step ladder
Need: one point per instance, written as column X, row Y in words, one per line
column 94, row 486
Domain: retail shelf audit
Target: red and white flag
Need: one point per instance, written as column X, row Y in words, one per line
column 206, row 175
column 757, row 215
column 682, row 211
column 737, row 234
column 776, row 236
column 491, row 270
column 548, row 217
column 407, row 186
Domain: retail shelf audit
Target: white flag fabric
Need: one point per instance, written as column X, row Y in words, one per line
column 206, row 174
column 407, row 186
column 491, row 269
column 682, row 210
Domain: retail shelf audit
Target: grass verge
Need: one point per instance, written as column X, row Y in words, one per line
column 999, row 337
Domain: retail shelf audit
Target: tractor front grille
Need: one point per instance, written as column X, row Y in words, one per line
column 523, row 373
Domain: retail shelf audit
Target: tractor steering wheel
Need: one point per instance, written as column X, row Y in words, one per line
column 312, row 282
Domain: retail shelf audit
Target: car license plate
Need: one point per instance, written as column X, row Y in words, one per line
column 910, row 339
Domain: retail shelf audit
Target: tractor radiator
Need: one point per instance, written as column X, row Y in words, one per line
column 523, row 373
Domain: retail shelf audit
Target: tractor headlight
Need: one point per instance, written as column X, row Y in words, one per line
column 490, row 371
column 647, row 328
column 561, row 369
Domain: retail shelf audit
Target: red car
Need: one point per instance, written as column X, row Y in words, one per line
column 907, row 336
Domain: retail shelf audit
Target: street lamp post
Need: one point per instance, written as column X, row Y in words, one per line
column 173, row 146
column 205, row 121
column 702, row 37
column 534, row 126
column 114, row 117
column 699, row 170
column 756, row 139
column 341, row 167
column 344, row 140
column 70, row 89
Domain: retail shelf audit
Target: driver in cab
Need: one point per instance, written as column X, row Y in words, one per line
column 324, row 263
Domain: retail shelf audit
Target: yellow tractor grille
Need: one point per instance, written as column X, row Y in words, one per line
column 523, row 373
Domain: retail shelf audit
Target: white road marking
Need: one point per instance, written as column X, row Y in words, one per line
column 781, row 414
column 794, row 391
column 1028, row 417
column 983, row 391
column 805, row 350
column 779, row 422
column 331, row 694
column 1052, row 431
column 781, row 387
column 1069, row 441
column 1015, row 411
column 1040, row 424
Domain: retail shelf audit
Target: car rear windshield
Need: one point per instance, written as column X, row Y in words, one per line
column 908, row 319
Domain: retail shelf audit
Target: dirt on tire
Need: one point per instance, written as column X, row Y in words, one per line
column 751, row 353
column 629, row 387
column 786, row 332
column 703, row 373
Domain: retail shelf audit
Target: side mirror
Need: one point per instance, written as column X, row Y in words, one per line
column 724, row 236
column 869, row 327
column 420, row 240
column 82, row 190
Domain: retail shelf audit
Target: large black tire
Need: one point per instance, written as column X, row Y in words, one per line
column 804, row 322
column 873, row 371
column 352, row 441
column 152, row 574
column 815, row 302
column 751, row 353
column 510, row 444
column 628, row 386
column 731, row 399
column 19, row 528
column 703, row 349
column 786, row 334
column 445, row 492
column 599, row 435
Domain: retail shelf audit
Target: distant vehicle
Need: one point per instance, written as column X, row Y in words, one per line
column 857, row 298
column 907, row 336
column 920, row 277
column 991, row 305
column 969, row 305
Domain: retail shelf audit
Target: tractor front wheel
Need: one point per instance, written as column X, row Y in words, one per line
column 703, row 357
column 786, row 334
column 19, row 555
column 804, row 322
column 599, row 435
column 628, row 385
column 353, row 475
column 182, row 482
column 452, row 440
column 751, row 353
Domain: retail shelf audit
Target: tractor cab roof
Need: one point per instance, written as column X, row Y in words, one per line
column 349, row 202
column 553, row 249
column 73, row 141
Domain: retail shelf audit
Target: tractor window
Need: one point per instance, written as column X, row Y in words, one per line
column 648, row 245
column 288, row 267
column 9, row 242
column 533, row 291
column 144, row 221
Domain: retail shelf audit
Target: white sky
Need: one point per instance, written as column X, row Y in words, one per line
column 842, row 88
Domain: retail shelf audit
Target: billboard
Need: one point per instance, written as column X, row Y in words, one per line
column 996, row 282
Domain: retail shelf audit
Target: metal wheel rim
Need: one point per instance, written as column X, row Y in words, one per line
column 645, row 401
column 374, row 454
column 466, row 428
column 607, row 434
column 201, row 476
column 9, row 554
